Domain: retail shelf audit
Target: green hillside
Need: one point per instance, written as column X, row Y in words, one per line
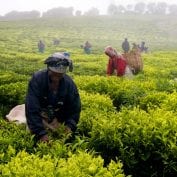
column 158, row 32
column 127, row 126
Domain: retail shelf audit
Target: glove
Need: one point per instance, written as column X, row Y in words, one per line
column 44, row 139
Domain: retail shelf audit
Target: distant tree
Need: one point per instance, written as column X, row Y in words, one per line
column 121, row 9
column 140, row 7
column 92, row 12
column 172, row 9
column 161, row 8
column 78, row 13
column 151, row 8
column 129, row 9
column 58, row 12
column 16, row 15
column 34, row 14
column 112, row 9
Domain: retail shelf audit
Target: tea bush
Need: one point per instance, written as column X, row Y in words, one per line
column 94, row 106
column 81, row 164
column 13, row 93
column 141, row 132
column 141, row 140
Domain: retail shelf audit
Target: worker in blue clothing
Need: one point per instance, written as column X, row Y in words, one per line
column 87, row 47
column 125, row 45
column 41, row 46
column 52, row 98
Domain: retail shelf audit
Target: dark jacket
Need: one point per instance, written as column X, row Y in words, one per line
column 67, row 102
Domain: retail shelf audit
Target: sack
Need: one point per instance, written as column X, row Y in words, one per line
column 134, row 60
column 17, row 114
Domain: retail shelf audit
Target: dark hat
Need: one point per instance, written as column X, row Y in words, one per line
column 58, row 62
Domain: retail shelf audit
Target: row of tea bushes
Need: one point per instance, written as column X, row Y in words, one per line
column 79, row 164
column 153, row 100
column 160, row 65
column 89, row 65
column 93, row 105
column 13, row 93
column 123, row 92
column 13, row 137
column 9, row 77
column 19, row 157
column 25, row 64
column 94, row 108
column 145, row 142
column 126, row 92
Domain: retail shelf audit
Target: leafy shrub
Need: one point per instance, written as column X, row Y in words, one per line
column 94, row 106
column 13, row 137
column 24, row 64
column 82, row 164
column 170, row 103
column 12, row 94
column 123, row 92
column 28, row 165
column 152, row 100
column 11, row 77
column 145, row 142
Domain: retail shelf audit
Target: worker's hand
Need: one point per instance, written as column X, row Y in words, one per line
column 68, row 130
column 44, row 139
column 55, row 124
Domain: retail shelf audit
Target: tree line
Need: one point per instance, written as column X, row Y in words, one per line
column 160, row 8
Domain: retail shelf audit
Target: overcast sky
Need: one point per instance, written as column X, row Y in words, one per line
column 83, row 5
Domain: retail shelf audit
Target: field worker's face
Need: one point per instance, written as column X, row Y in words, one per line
column 55, row 77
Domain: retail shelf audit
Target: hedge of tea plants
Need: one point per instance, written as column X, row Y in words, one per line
column 127, row 126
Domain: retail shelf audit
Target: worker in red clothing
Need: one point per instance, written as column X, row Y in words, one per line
column 116, row 63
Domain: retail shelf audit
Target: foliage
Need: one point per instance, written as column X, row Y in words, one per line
column 132, row 120
column 81, row 164
column 141, row 140
column 12, row 94
column 13, row 138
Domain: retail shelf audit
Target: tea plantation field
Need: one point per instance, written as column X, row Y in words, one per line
column 128, row 127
